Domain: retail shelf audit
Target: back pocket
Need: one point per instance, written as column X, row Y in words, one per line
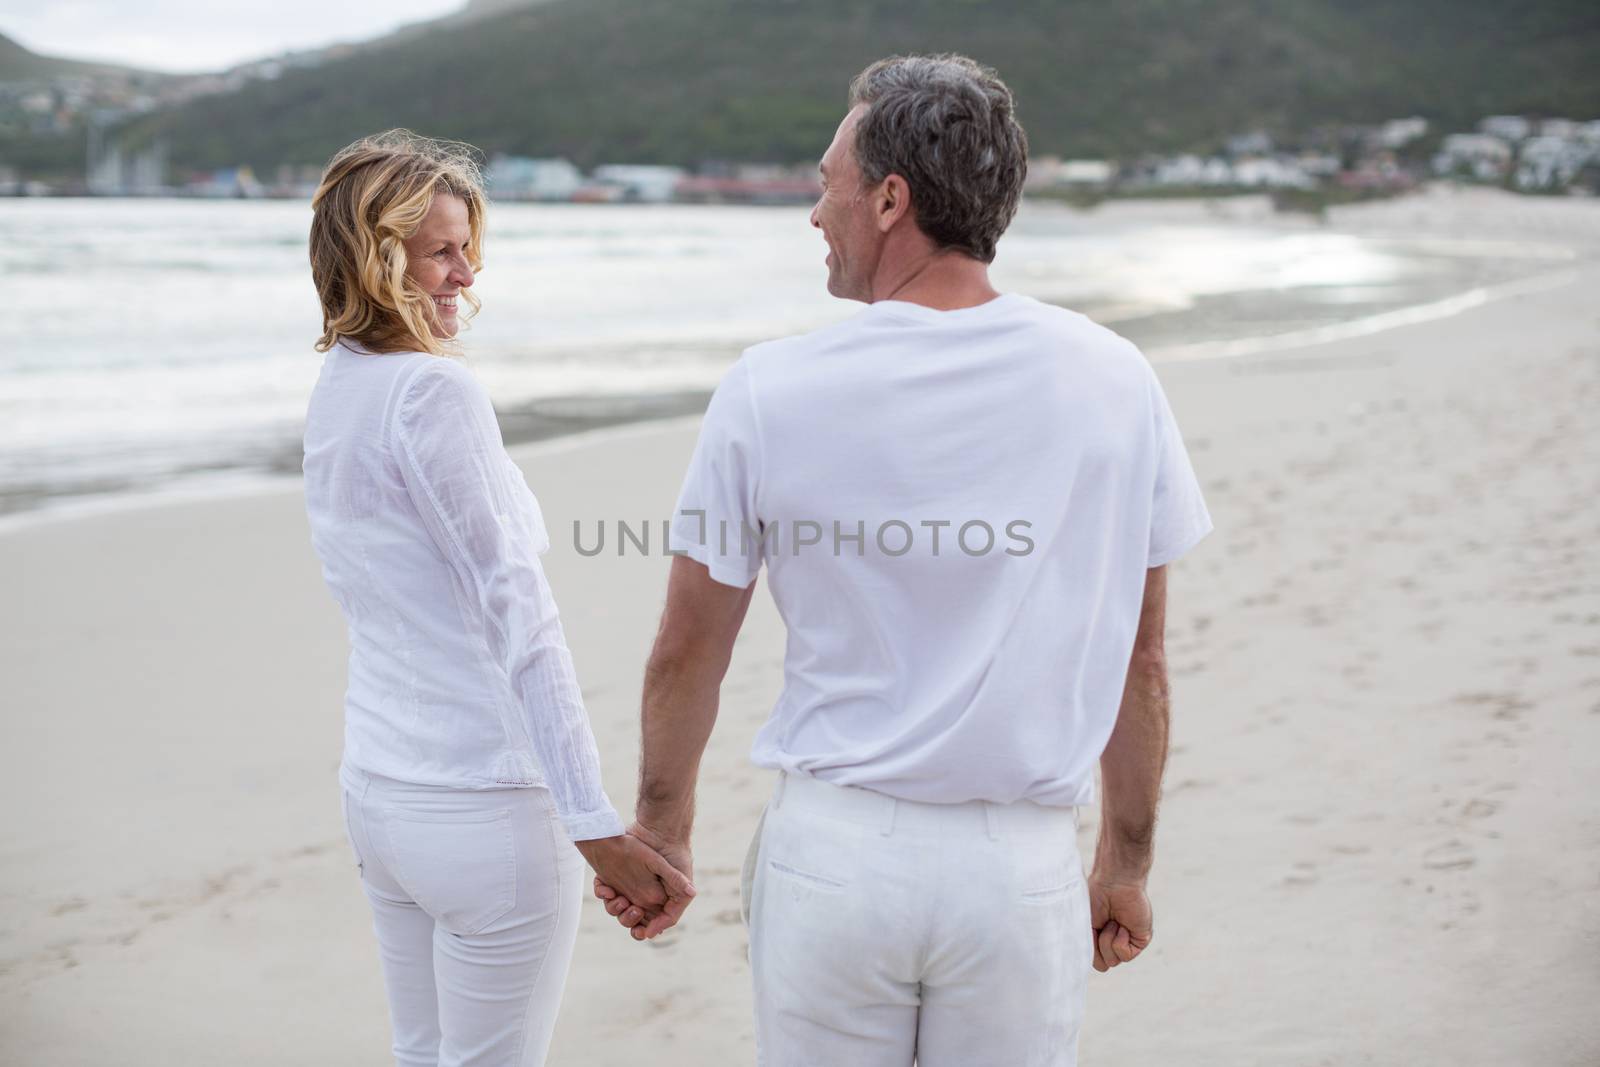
column 460, row 867
column 345, row 802
column 1054, row 885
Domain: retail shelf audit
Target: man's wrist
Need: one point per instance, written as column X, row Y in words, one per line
column 1120, row 860
column 658, row 826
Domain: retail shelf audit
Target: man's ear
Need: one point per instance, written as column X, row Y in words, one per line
column 893, row 202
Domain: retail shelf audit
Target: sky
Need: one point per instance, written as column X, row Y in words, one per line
column 191, row 36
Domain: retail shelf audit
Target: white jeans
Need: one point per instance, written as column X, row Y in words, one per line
column 883, row 931
column 475, row 898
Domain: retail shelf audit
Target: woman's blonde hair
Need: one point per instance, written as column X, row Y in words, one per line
column 374, row 194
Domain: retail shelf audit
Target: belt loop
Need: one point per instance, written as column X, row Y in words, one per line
column 889, row 807
column 991, row 820
column 777, row 793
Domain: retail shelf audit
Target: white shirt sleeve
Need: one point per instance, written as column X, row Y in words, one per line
column 1179, row 518
column 486, row 523
column 717, row 522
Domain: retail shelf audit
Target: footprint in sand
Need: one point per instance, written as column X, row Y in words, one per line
column 1450, row 856
column 1479, row 807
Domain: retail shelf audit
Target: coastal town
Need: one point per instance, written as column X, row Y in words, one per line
column 1522, row 153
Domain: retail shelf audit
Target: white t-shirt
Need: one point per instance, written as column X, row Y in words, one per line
column 957, row 510
column 430, row 541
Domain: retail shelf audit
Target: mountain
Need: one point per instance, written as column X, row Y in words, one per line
column 694, row 80
column 19, row 64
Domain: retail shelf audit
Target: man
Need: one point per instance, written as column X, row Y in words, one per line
column 966, row 501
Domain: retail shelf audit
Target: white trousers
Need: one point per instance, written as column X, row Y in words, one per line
column 886, row 931
column 475, row 898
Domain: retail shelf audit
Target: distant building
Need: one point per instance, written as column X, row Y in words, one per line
column 227, row 183
column 1380, row 173
column 295, row 182
column 1255, row 143
column 1509, row 128
column 1397, row 133
column 520, row 178
column 707, row 189
column 1562, row 128
column 1319, row 164
column 1053, row 172
column 1272, row 174
column 1484, row 157
column 1190, row 170
column 1551, row 162
column 651, row 184
column 113, row 171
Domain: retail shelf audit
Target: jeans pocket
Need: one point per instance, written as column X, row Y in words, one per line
column 345, row 803
column 806, row 878
column 808, row 855
column 1055, row 887
column 460, row 867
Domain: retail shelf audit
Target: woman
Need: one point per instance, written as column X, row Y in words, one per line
column 469, row 768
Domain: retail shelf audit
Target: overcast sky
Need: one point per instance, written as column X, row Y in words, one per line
column 200, row 35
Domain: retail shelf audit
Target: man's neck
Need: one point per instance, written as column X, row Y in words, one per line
column 943, row 281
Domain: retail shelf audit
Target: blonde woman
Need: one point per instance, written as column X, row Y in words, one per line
column 469, row 768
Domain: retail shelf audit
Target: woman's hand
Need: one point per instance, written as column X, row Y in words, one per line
column 624, row 907
column 653, row 892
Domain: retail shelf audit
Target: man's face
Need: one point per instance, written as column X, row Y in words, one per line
column 844, row 215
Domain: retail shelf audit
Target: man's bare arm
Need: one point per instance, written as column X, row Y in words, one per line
column 1120, row 915
column 1136, row 755
column 681, row 685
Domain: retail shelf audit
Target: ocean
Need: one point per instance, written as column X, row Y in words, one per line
column 147, row 344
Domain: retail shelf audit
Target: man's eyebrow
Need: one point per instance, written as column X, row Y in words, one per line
column 823, row 167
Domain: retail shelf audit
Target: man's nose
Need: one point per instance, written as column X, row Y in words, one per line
column 814, row 209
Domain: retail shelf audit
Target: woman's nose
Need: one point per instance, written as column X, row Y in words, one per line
column 462, row 275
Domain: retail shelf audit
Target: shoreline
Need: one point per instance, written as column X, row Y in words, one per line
column 574, row 416
column 534, row 423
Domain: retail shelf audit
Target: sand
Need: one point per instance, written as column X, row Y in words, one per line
column 1380, row 838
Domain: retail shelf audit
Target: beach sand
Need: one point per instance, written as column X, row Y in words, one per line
column 1379, row 840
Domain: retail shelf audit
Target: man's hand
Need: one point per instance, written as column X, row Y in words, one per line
column 625, row 907
column 1119, row 913
column 681, row 686
column 656, row 892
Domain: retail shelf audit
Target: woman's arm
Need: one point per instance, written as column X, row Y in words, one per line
column 487, row 525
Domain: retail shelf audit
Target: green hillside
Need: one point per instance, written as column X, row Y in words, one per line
column 19, row 64
column 691, row 80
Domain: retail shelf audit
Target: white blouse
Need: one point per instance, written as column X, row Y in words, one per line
column 430, row 541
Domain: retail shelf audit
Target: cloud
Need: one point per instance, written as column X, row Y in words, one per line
column 199, row 35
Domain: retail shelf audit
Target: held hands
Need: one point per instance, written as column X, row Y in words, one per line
column 625, row 906
column 1119, row 914
column 653, row 891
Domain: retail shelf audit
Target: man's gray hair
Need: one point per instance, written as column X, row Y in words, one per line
column 947, row 126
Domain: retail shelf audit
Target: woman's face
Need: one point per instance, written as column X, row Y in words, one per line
column 436, row 259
